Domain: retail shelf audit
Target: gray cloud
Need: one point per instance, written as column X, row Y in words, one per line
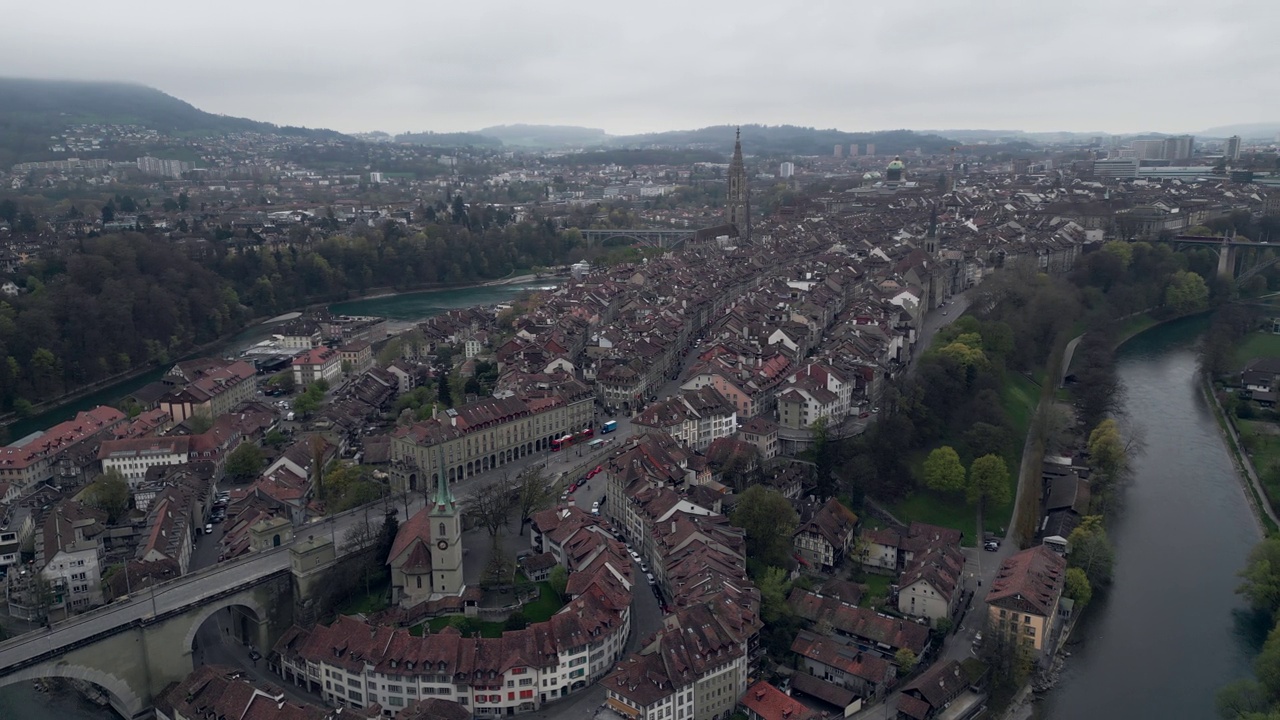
column 396, row 65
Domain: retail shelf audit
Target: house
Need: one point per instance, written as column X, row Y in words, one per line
column 322, row 363
column 889, row 550
column 848, row 666
column 357, row 355
column 208, row 387
column 69, row 554
column 1024, row 597
column 763, row 433
column 57, row 451
column 132, row 457
column 932, row 691
column 763, row 701
column 930, row 586
column 213, row 691
column 825, row 535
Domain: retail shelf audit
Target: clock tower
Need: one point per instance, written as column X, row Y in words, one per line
column 446, row 541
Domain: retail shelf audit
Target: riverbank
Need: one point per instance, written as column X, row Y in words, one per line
column 1252, row 486
column 49, row 412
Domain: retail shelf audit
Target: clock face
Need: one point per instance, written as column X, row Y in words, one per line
column 443, row 544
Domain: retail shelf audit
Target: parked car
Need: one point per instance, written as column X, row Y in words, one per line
column 208, row 528
column 652, row 580
column 573, row 486
column 635, row 556
column 595, row 508
column 991, row 545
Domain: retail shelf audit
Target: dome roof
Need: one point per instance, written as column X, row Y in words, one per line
column 896, row 164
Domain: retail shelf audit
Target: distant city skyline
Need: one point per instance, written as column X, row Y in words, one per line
column 398, row 66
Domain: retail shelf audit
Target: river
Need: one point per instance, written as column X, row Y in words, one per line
column 1171, row 629
column 23, row 701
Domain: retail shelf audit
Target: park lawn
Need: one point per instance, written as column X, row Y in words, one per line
column 1256, row 345
column 1263, row 445
column 1020, row 396
column 545, row 606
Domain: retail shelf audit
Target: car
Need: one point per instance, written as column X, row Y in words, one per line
column 595, row 471
column 977, row 638
column 644, row 566
column 595, row 508
column 635, row 555
column 864, row 414
column 254, row 655
column 564, row 495
column 208, row 528
column 991, row 545
column 875, row 410
column 573, row 486
column 944, row 312
column 652, row 580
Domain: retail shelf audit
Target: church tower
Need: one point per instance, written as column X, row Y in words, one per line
column 737, row 206
column 446, row 540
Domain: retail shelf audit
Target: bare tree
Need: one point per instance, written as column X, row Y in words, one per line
column 533, row 493
column 491, row 505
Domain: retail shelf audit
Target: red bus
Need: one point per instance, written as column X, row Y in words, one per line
column 558, row 443
column 585, row 435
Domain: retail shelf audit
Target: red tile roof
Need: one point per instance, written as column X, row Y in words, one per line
column 770, row 703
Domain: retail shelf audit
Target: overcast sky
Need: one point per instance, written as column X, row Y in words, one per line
column 412, row 65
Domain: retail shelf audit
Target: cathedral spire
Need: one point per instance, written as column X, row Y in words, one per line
column 738, row 202
column 444, row 503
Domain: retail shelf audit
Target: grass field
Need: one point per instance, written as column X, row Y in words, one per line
column 1256, row 345
column 1262, row 441
column 539, row 610
column 1019, row 396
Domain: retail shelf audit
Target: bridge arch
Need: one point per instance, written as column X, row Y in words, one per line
column 123, row 698
column 208, row 611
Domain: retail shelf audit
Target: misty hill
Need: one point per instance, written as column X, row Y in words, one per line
column 789, row 140
column 32, row 110
column 546, row 136
column 449, row 140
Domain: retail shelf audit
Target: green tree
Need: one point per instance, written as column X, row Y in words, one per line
column 1091, row 550
column 1241, row 699
column 1267, row 665
column 443, row 391
column 559, row 581
column 1261, row 576
column 276, row 439
column 533, row 493
column 1187, row 292
column 1107, row 451
column 905, row 659
column 1077, row 587
column 943, row 471
column 244, row 462
column 774, row 586
column 769, row 520
column 108, row 493
column 988, row 481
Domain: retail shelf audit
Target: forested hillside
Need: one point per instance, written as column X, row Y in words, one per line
column 114, row 303
column 117, row 302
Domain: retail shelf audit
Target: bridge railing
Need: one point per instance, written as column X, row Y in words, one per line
column 129, row 624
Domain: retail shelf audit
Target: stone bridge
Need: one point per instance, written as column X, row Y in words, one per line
column 136, row 646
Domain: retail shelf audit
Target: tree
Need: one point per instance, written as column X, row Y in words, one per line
column 773, row 586
column 559, row 581
column 108, row 493
column 442, row 390
column 1267, row 665
column 199, row 423
column 905, row 659
column 1241, row 700
column 283, row 381
column 499, row 569
column 183, row 201
column 1261, row 576
column 1187, row 292
column 1091, row 550
column 491, row 505
column 769, row 520
column 988, row 481
column 1077, row 588
column 244, row 462
column 1107, row 451
column 532, row 494
column 275, row 439
column 943, row 471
